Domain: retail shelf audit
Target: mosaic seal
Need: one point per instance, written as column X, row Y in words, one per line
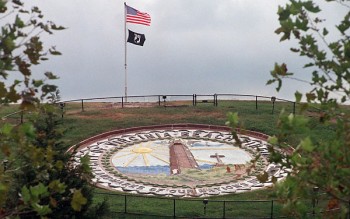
column 179, row 160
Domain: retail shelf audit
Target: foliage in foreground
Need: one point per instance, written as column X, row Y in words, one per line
column 37, row 177
column 318, row 165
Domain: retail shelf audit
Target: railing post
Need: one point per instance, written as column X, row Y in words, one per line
column 82, row 105
column 195, row 99
column 294, row 108
column 349, row 211
column 158, row 100
column 192, row 99
column 122, row 102
column 62, row 105
column 256, row 102
column 125, row 204
column 273, row 100
column 174, row 208
column 224, row 210
column 205, row 202
column 214, row 99
column 271, row 215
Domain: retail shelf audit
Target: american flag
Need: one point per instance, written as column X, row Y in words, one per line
column 137, row 17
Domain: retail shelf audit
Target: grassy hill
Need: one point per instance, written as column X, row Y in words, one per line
column 81, row 123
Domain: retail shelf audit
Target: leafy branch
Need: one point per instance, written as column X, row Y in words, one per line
column 322, row 163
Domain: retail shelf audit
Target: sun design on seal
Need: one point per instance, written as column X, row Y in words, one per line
column 143, row 154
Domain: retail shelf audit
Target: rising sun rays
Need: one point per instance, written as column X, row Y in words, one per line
column 144, row 154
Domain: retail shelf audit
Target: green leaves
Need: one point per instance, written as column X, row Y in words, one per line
column 263, row 177
column 50, row 76
column 18, row 22
column 53, row 51
column 325, row 32
column 311, row 7
column 41, row 180
column 3, row 7
column 17, row 2
column 20, row 37
column 283, row 13
column 3, row 90
column 33, row 50
column 12, row 96
column 78, row 200
column 345, row 24
column 333, row 63
column 6, row 129
column 307, row 145
column 26, row 196
column 298, row 96
column 278, row 73
column 42, row 210
column 273, row 140
column 37, row 83
column 57, row 186
column 55, row 27
column 347, row 50
column 85, row 163
column 293, row 20
column 39, row 191
column 46, row 89
column 8, row 45
column 33, row 196
column 315, row 162
column 232, row 120
column 23, row 66
column 301, row 24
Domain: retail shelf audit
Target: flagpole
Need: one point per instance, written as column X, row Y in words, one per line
column 125, row 64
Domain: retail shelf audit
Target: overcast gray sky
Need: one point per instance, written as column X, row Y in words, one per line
column 192, row 47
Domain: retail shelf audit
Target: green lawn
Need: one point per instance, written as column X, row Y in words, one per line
column 98, row 119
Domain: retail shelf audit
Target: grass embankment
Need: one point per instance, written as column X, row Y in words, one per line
column 101, row 117
column 98, row 118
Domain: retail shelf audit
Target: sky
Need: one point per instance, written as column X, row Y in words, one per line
column 192, row 47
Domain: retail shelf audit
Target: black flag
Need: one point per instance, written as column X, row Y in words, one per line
column 136, row 38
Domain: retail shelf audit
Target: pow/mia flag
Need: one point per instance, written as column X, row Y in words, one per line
column 136, row 38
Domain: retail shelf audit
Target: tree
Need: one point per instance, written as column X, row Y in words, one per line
column 37, row 177
column 21, row 48
column 322, row 164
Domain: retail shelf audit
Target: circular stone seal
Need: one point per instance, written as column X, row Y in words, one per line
column 179, row 160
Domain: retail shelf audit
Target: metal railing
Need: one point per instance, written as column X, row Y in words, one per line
column 155, row 206
column 168, row 100
column 20, row 113
column 189, row 208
